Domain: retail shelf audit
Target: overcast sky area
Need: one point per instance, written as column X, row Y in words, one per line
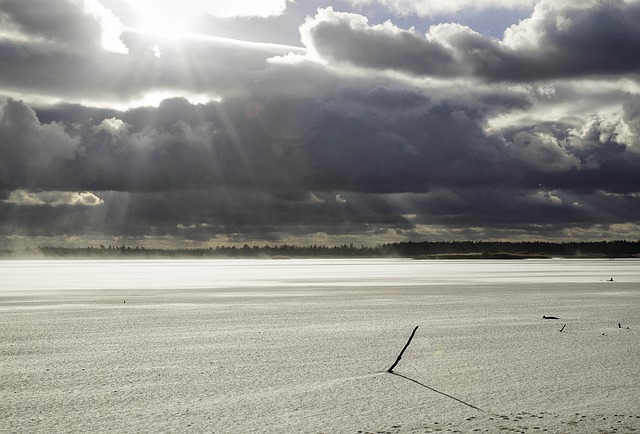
column 193, row 123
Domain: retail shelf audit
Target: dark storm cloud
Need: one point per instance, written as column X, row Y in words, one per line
column 482, row 212
column 193, row 170
column 555, row 42
column 601, row 39
column 31, row 152
column 373, row 150
column 289, row 145
column 286, row 145
column 350, row 38
column 52, row 20
column 197, row 215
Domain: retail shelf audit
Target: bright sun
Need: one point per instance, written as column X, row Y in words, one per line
column 164, row 18
column 178, row 18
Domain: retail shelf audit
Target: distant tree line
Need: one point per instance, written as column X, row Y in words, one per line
column 525, row 248
column 422, row 249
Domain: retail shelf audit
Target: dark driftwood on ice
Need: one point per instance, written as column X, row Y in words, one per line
column 402, row 352
column 562, row 328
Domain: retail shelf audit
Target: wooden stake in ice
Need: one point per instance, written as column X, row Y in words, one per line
column 402, row 352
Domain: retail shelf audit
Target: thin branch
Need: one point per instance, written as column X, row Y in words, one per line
column 402, row 352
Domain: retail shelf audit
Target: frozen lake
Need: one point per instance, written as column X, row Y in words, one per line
column 239, row 346
column 238, row 273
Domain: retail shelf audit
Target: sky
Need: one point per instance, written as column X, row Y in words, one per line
column 188, row 124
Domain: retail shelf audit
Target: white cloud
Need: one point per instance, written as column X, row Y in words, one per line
column 544, row 198
column 547, row 15
column 54, row 198
column 605, row 128
column 312, row 198
column 110, row 26
column 542, row 152
column 113, row 126
column 246, row 8
column 219, row 8
column 429, row 7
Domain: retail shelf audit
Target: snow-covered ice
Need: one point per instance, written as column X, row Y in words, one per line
column 303, row 346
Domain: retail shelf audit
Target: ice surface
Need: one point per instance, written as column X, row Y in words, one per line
column 235, row 273
column 126, row 347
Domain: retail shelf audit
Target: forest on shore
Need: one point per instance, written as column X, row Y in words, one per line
column 416, row 250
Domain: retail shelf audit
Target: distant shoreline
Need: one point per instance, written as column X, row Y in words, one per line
column 415, row 250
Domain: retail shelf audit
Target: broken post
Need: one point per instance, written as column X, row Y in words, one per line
column 402, row 352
